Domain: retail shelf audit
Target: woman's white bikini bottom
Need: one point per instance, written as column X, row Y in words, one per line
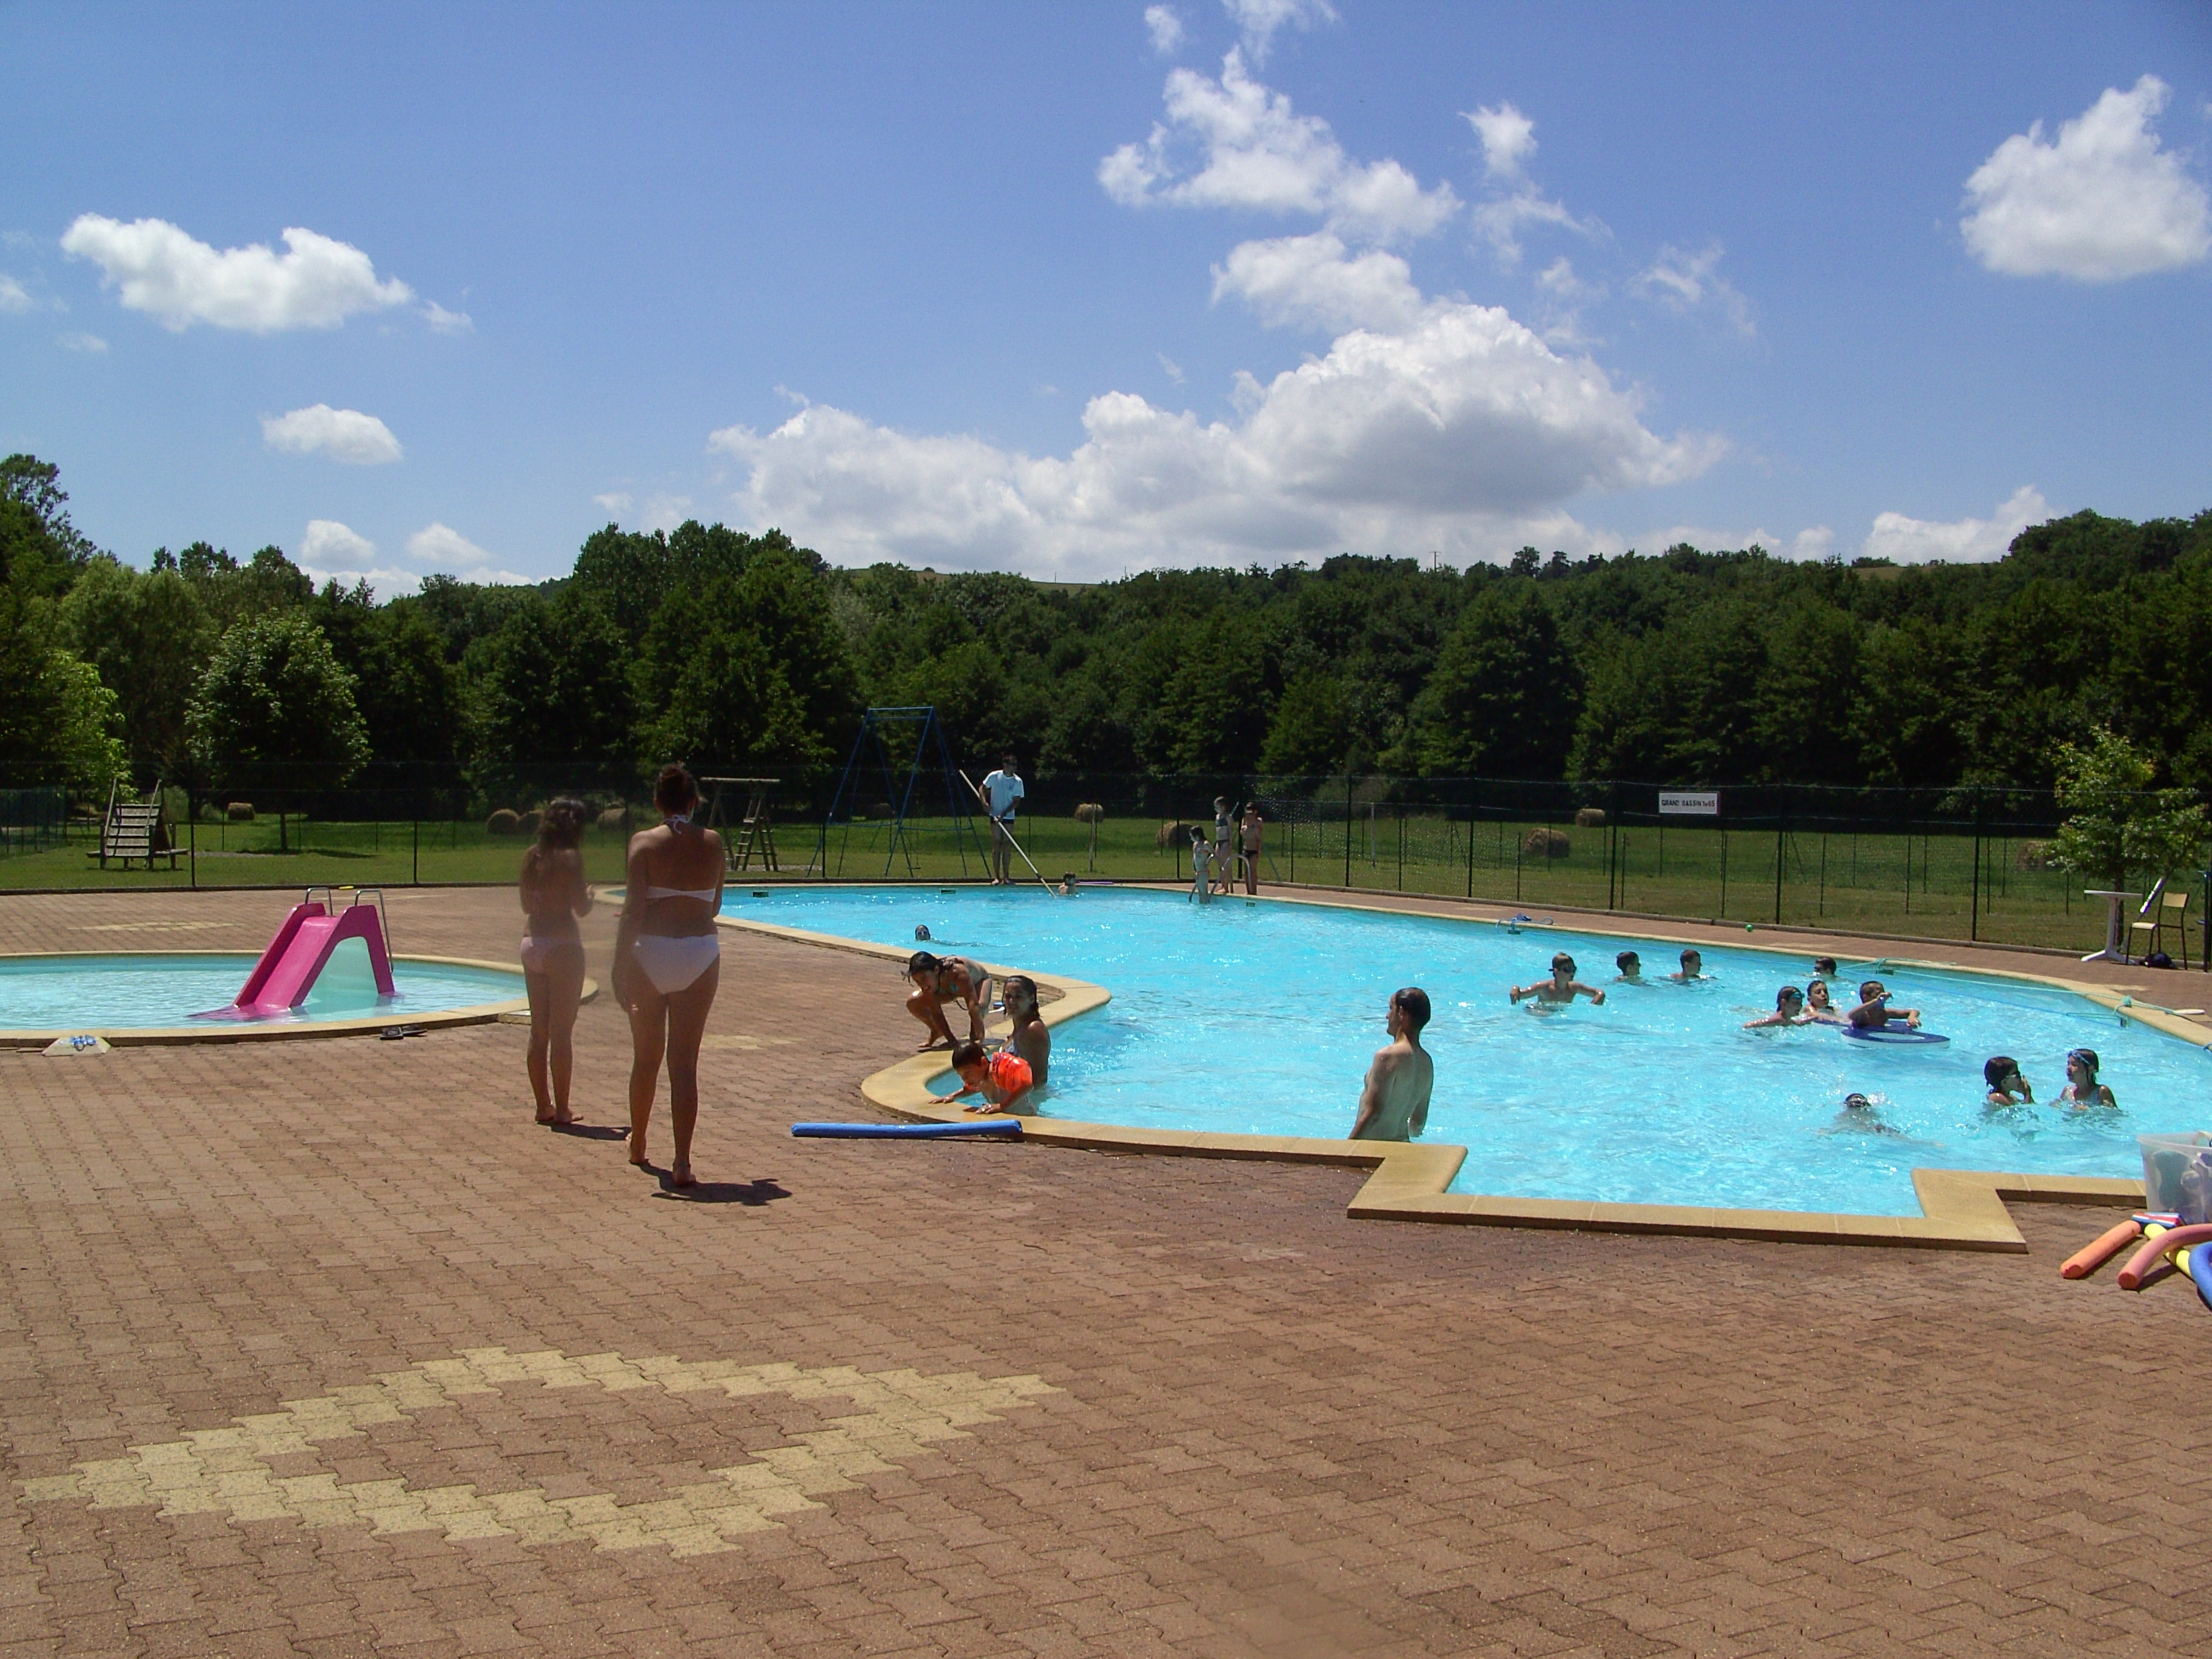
column 673, row 963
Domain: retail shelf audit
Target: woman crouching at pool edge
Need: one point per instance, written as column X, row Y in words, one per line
column 668, row 962
column 554, row 894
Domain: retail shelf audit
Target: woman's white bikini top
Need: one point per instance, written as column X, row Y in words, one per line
column 704, row 895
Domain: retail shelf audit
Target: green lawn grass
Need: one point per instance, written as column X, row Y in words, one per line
column 1913, row 886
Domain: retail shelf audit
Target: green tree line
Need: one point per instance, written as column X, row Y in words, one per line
column 744, row 652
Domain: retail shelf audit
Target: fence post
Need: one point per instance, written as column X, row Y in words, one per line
column 1347, row 831
column 1781, row 832
column 1974, row 914
column 192, row 836
column 1470, row 840
column 415, row 825
column 1723, row 914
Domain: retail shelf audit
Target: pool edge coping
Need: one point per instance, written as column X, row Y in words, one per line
column 152, row 1036
column 1961, row 1209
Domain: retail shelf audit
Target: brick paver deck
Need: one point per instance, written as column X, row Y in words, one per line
column 325, row 1348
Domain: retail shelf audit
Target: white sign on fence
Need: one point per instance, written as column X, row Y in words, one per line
column 1695, row 803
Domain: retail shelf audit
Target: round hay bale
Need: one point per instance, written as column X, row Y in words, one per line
column 527, row 824
column 505, row 821
column 614, row 817
column 1176, row 833
column 1089, row 812
column 239, row 811
column 881, row 809
column 1589, row 817
column 2032, row 855
column 1545, row 843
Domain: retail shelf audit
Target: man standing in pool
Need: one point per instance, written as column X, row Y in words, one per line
column 1694, row 969
column 1394, row 1103
column 1561, row 988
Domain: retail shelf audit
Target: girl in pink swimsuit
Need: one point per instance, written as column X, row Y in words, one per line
column 554, row 894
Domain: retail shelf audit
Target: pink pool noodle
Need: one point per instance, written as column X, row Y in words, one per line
column 2093, row 1255
column 2139, row 1265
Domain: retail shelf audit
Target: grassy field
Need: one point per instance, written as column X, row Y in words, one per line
column 1922, row 886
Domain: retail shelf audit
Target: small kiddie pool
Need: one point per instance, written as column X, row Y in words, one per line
column 151, row 997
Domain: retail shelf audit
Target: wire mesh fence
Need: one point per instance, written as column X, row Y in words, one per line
column 1960, row 864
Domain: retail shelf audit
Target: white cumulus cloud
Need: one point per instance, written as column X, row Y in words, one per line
column 616, row 502
column 1509, row 139
column 2102, row 202
column 333, row 546
column 1317, row 282
column 331, row 551
column 1165, row 28
column 159, row 268
column 1685, row 282
column 79, row 341
column 441, row 544
column 1236, row 143
column 1258, row 21
column 1463, row 433
column 343, row 434
column 442, row 321
column 1957, row 541
column 13, row 296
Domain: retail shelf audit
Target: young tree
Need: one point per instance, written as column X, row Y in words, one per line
column 2116, row 822
column 274, row 702
column 1505, row 692
column 147, row 634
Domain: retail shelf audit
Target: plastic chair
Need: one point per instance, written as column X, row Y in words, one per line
column 2171, row 912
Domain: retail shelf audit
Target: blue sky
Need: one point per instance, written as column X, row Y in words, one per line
column 1075, row 290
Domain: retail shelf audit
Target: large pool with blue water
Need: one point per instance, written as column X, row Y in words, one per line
column 1261, row 1018
column 134, row 992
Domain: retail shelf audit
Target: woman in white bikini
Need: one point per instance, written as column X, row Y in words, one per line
column 668, row 961
column 554, row 894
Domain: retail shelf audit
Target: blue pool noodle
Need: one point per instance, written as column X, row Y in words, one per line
column 988, row 1126
column 2200, row 1272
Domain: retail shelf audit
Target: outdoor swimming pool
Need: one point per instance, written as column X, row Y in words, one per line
column 136, row 993
column 1260, row 1019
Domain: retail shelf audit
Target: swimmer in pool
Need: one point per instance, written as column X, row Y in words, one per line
column 1003, row 1080
column 1393, row 1102
column 1789, row 1010
column 1029, row 1038
column 1561, row 988
column 1694, row 969
column 1820, row 1007
column 1824, row 966
column 940, row 980
column 921, row 933
column 1873, row 1010
column 1629, row 969
column 1859, row 1117
column 2007, row 1087
column 2083, row 1088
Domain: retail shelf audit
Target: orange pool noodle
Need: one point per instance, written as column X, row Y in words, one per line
column 2140, row 1264
column 2095, row 1255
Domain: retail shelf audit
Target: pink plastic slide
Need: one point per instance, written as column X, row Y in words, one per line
column 288, row 970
